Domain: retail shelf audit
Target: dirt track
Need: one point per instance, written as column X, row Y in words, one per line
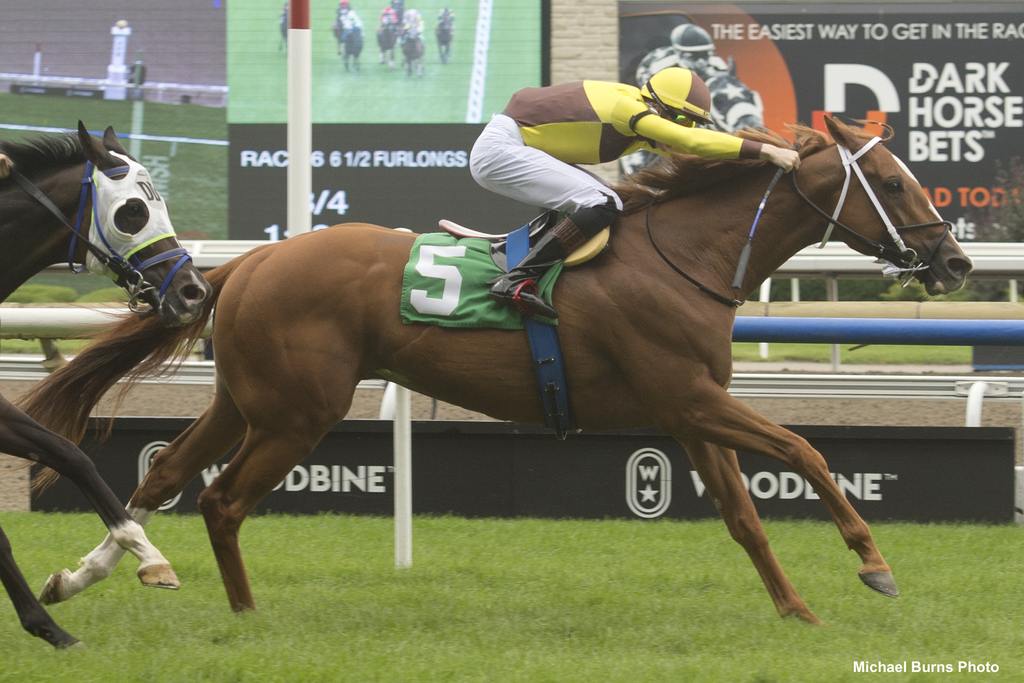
column 177, row 400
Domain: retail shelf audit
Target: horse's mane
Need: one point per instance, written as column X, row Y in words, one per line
column 40, row 154
column 680, row 175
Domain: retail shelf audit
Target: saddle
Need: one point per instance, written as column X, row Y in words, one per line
column 591, row 248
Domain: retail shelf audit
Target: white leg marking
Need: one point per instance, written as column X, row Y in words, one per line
column 102, row 561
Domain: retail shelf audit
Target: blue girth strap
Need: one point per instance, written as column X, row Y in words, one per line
column 546, row 350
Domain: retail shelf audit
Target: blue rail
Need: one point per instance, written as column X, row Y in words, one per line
column 879, row 331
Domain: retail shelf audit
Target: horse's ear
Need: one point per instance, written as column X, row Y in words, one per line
column 94, row 150
column 841, row 133
column 111, row 142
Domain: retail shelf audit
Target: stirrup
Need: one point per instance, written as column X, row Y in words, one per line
column 524, row 297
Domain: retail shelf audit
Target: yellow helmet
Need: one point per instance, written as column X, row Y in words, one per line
column 679, row 92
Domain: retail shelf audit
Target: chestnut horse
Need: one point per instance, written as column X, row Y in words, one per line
column 289, row 355
column 44, row 186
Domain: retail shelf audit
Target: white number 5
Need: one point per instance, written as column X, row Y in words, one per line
column 451, row 276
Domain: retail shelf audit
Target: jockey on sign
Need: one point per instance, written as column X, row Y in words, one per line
column 530, row 151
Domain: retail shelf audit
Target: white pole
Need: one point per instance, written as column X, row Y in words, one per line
column 975, row 399
column 117, row 72
column 764, row 295
column 300, row 118
column 832, row 289
column 403, row 479
column 37, row 61
column 138, row 113
column 387, row 402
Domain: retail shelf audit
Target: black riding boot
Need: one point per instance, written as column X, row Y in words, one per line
column 519, row 285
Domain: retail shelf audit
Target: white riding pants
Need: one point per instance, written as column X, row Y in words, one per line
column 501, row 162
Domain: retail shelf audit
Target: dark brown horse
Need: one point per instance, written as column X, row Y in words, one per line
column 443, row 32
column 387, row 36
column 643, row 344
column 49, row 189
column 412, row 54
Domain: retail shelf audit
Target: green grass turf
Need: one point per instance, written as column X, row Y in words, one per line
column 196, row 192
column 880, row 353
column 525, row 600
column 257, row 65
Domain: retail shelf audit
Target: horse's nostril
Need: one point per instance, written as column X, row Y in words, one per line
column 959, row 267
column 193, row 293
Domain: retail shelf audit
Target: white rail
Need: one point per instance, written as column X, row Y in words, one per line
column 28, row 367
column 991, row 259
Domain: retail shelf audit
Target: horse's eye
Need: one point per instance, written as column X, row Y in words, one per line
column 893, row 186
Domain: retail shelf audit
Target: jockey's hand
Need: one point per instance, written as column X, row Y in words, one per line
column 786, row 159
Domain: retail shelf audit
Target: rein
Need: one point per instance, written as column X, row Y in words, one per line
column 728, row 301
column 902, row 259
column 741, row 266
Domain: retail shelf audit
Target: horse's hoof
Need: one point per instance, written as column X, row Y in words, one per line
column 55, row 589
column 67, row 641
column 881, row 582
column 159, row 576
column 803, row 614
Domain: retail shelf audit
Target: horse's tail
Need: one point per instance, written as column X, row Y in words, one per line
column 135, row 347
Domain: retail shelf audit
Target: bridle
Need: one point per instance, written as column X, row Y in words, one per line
column 900, row 261
column 127, row 269
column 904, row 261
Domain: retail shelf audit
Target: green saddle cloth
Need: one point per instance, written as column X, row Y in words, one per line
column 447, row 281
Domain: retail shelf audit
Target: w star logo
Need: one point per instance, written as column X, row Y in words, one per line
column 648, row 483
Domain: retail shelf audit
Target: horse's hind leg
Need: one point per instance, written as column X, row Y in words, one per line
column 287, row 416
column 33, row 617
column 263, row 460
column 720, row 472
column 727, row 421
column 205, row 440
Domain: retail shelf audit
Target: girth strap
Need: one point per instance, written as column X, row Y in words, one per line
column 546, row 351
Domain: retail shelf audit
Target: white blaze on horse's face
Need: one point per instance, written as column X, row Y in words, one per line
column 905, row 169
column 109, row 196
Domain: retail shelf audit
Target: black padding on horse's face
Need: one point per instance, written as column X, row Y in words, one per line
column 132, row 216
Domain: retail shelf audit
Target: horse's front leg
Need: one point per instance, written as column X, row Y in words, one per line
column 720, row 472
column 202, row 443
column 715, row 416
column 31, row 614
column 22, row 436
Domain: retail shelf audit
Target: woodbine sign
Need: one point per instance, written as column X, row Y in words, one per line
column 496, row 469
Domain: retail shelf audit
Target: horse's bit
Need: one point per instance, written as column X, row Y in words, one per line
column 126, row 270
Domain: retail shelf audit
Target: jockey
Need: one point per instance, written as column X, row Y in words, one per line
column 412, row 26
column 530, row 151
column 347, row 17
column 445, row 15
column 389, row 17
